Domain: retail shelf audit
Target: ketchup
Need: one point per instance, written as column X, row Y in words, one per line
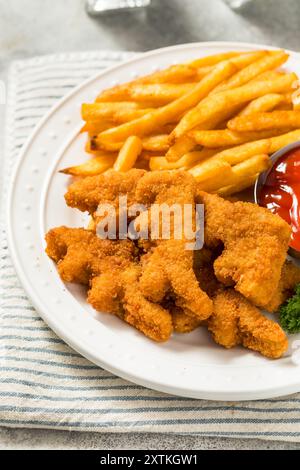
column 281, row 192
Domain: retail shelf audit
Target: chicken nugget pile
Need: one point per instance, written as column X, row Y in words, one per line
column 158, row 285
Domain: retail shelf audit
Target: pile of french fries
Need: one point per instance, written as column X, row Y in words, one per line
column 218, row 117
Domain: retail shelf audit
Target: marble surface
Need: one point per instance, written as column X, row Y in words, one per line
column 34, row 28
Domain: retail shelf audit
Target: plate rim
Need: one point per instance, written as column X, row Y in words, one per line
column 28, row 287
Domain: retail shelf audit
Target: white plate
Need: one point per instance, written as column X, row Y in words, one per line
column 189, row 365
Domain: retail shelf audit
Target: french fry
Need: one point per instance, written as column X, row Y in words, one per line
column 153, row 143
column 284, row 106
column 95, row 127
column 217, row 181
column 239, row 172
column 187, row 143
column 265, row 121
column 107, row 110
column 180, row 73
column 267, row 62
column 156, row 93
column 244, row 183
column 93, row 166
column 176, row 74
column 210, row 168
column 228, row 138
column 238, row 154
column 232, row 156
column 277, row 143
column 128, row 154
column 121, row 117
column 217, row 58
column 96, row 111
column 263, row 103
column 97, row 153
column 246, row 58
column 151, row 121
column 268, row 75
column 182, row 146
column 216, row 103
column 185, row 162
column 156, row 143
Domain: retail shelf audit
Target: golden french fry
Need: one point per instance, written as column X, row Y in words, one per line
column 155, row 94
column 151, row 121
column 91, row 167
column 228, row 138
column 268, row 75
column 216, row 181
column 239, row 60
column 181, row 73
column 96, row 111
column 185, row 162
column 210, row 168
column 233, row 156
column 159, row 93
column 238, row 154
column 89, row 148
column 128, row 154
column 284, row 106
column 95, row 127
column 121, row 117
column 182, row 146
column 239, row 172
column 264, row 121
column 263, row 103
column 153, row 143
column 245, row 183
column 156, row 143
column 267, row 62
column 161, row 163
column 217, row 58
column 216, row 103
column 187, row 143
column 246, row 58
column 116, row 112
column 280, row 141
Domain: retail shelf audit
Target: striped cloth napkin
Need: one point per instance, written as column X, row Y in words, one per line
column 43, row 382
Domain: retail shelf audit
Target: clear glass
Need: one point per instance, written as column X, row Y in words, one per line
column 99, row 7
column 236, row 4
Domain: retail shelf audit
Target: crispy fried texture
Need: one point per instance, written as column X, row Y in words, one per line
column 111, row 272
column 290, row 276
column 169, row 265
column 255, row 246
column 158, row 285
column 86, row 194
column 184, row 321
column 236, row 321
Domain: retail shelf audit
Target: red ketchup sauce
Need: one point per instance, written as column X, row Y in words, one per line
column 281, row 192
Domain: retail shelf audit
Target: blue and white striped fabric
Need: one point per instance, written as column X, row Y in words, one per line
column 43, row 383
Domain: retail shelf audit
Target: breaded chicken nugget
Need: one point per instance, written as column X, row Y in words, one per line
column 255, row 245
column 236, row 321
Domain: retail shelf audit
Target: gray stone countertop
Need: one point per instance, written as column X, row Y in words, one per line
column 34, row 28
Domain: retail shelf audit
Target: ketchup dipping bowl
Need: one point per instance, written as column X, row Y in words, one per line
column 278, row 189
